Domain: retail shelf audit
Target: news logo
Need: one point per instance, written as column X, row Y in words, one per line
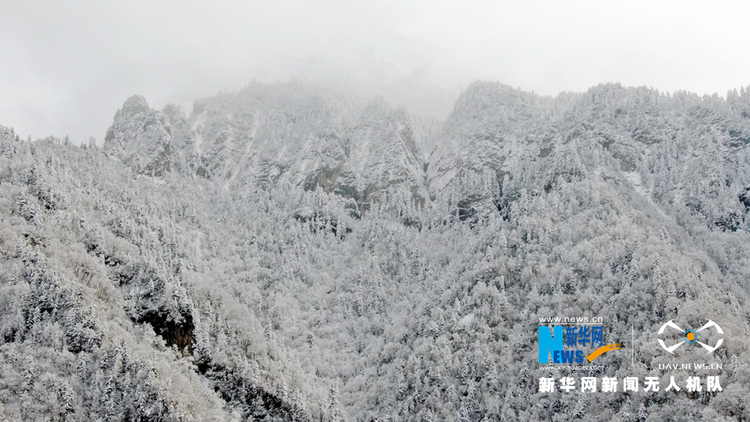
column 569, row 343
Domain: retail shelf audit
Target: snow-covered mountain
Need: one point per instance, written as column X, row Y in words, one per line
column 277, row 134
column 295, row 253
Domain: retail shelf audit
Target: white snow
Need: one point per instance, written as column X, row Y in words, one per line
column 197, row 129
column 635, row 179
column 466, row 320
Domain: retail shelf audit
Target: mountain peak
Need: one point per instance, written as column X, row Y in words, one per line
column 134, row 105
column 141, row 137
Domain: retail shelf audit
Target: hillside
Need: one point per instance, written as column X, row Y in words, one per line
column 290, row 252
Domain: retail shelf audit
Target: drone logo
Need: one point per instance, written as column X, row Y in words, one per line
column 691, row 336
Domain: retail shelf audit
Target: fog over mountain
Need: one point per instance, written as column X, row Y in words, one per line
column 68, row 65
column 291, row 251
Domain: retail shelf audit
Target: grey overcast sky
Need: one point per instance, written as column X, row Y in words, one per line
column 67, row 66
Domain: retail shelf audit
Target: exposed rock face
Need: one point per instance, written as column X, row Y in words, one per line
column 140, row 137
column 357, row 149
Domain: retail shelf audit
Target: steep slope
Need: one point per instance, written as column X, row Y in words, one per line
column 354, row 147
column 104, row 313
column 140, row 137
column 678, row 150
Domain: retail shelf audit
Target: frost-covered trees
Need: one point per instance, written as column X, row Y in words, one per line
column 294, row 254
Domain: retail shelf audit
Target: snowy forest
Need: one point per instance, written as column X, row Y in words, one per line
column 289, row 252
